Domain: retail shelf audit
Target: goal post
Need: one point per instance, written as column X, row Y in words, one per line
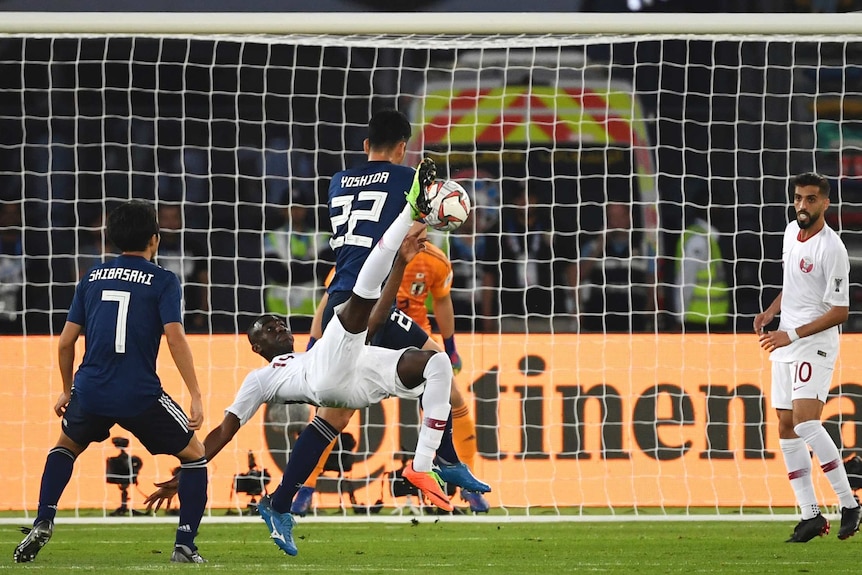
column 589, row 144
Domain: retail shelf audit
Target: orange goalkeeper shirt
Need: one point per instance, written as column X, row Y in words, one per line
column 429, row 272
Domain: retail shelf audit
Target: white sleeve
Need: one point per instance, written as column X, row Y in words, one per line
column 786, row 244
column 248, row 399
column 837, row 276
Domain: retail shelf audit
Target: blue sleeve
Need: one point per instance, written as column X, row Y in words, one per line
column 171, row 301
column 77, row 313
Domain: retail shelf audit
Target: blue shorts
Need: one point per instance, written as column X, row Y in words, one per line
column 333, row 300
column 399, row 331
column 162, row 428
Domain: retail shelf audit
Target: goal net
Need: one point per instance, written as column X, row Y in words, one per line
column 600, row 167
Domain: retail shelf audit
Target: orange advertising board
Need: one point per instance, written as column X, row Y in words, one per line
column 562, row 420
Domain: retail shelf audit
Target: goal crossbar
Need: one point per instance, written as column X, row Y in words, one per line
column 161, row 23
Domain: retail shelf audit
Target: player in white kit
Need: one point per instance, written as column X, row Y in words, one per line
column 813, row 302
column 340, row 371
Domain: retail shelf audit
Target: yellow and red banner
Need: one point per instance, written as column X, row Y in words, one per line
column 562, row 420
column 534, row 114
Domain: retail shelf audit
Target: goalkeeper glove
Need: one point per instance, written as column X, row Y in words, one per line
column 449, row 345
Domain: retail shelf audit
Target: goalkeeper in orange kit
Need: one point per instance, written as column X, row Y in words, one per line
column 429, row 273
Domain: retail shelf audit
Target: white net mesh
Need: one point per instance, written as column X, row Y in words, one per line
column 587, row 158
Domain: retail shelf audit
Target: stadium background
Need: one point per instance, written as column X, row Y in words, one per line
column 56, row 155
column 227, row 155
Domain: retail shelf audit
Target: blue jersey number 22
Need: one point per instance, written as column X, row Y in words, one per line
column 352, row 216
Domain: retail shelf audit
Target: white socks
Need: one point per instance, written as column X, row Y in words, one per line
column 798, row 462
column 830, row 459
column 436, row 408
column 379, row 262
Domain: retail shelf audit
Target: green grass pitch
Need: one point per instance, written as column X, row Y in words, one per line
column 447, row 547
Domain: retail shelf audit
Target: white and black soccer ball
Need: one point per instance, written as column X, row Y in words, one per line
column 449, row 205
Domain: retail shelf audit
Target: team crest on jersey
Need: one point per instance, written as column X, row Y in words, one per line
column 838, row 282
column 418, row 286
column 806, row 265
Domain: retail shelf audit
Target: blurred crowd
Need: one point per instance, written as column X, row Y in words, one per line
column 515, row 267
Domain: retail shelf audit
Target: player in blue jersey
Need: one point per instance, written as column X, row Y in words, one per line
column 364, row 201
column 123, row 307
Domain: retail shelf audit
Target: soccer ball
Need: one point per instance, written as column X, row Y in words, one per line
column 449, row 205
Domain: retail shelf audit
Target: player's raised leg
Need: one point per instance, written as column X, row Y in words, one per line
column 436, row 371
column 417, row 197
column 356, row 312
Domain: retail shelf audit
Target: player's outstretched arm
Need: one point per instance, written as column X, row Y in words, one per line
column 182, row 354
column 444, row 313
column 411, row 246
column 316, row 329
column 163, row 495
column 66, row 360
column 221, row 435
column 213, row 444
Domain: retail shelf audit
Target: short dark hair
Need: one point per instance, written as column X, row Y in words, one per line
column 258, row 323
column 131, row 225
column 812, row 179
column 387, row 129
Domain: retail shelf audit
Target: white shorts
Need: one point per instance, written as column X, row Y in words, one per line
column 347, row 373
column 799, row 380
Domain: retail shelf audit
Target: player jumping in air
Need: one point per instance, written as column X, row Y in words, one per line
column 341, row 372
